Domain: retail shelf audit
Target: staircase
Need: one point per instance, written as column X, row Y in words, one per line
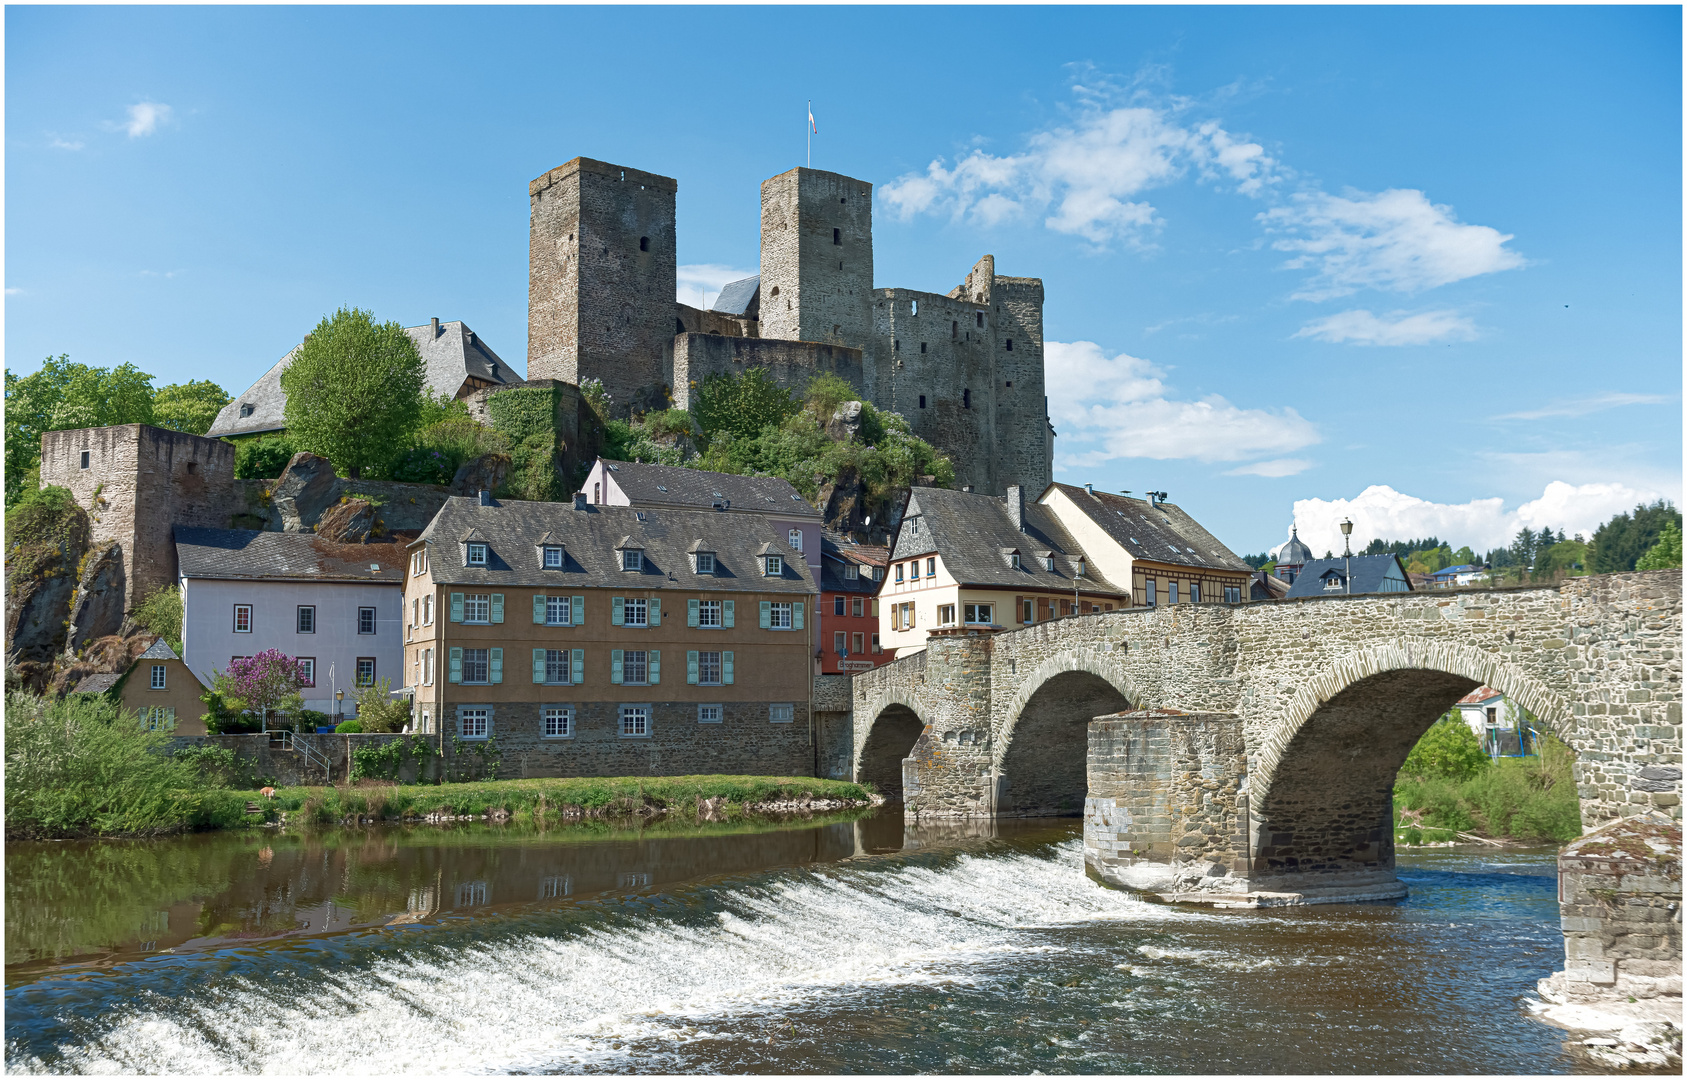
column 310, row 757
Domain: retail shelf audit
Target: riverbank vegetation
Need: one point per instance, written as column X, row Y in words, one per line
column 1449, row 786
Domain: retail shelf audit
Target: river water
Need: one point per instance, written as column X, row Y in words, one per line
column 832, row 946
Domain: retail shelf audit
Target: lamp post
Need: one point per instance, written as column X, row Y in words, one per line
column 339, row 704
column 1347, row 555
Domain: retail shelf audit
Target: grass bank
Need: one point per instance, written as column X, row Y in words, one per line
column 1447, row 787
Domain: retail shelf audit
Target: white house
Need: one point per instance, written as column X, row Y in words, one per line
column 1493, row 718
column 337, row 607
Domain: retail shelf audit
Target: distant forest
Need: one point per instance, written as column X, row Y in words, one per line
column 1615, row 546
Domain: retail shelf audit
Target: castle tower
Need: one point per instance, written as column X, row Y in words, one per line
column 601, row 279
column 817, row 258
column 1024, row 438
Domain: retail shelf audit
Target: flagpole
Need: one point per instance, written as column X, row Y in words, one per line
column 808, row 131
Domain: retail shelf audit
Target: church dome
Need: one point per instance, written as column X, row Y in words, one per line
column 1294, row 553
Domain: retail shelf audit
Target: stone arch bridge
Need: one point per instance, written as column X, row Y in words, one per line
column 1258, row 743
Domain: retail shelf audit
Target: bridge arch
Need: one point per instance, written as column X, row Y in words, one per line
column 893, row 725
column 1322, row 785
column 1041, row 748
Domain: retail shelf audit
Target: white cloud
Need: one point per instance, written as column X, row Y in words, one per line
column 10, row 291
column 1277, row 467
column 695, row 280
column 1116, row 407
column 1482, row 524
column 145, row 118
column 1585, row 406
column 1085, row 176
column 1396, row 240
column 60, row 142
column 1360, row 327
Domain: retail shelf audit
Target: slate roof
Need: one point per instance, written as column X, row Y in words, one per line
column 452, row 358
column 735, row 297
column 837, row 552
column 671, row 485
column 158, row 650
column 971, row 532
column 1368, row 574
column 242, row 555
column 97, row 684
column 590, row 536
column 1160, row 533
column 1294, row 551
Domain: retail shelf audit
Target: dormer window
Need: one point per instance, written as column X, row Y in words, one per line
column 246, row 409
column 705, row 562
column 851, row 572
column 1333, row 581
column 773, row 565
column 552, row 556
column 632, row 559
column 476, row 555
column 1048, row 563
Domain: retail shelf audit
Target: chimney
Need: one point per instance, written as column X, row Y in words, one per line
column 1090, row 488
column 485, row 497
column 580, row 500
column 436, row 326
column 1016, row 506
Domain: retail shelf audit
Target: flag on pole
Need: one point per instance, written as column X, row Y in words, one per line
column 812, row 130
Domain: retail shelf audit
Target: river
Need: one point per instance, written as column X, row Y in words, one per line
column 829, row 946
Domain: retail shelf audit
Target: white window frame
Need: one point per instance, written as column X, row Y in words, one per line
column 794, row 539
column 706, row 608
column 559, row 611
column 946, row 614
column 634, row 721
column 552, row 558
column 477, row 602
column 627, row 663
column 980, row 614
column 159, row 678
column 856, row 608
column 374, row 621
column 300, row 617
column 1171, row 594
column 642, row 606
column 427, row 667
column 773, row 566
column 564, row 664
column 720, row 667
column 556, row 721
column 475, row 555
column 427, row 610
column 705, row 562
column 781, row 713
column 708, row 713
column 247, row 610
column 851, row 572
column 357, row 671
column 632, row 559
column 777, row 610
column 480, row 717
column 308, row 665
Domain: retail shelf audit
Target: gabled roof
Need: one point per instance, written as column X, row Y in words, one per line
column 1369, row 572
column 671, row 485
column 593, row 534
column 1479, row 695
column 1160, row 533
column 453, row 357
column 97, row 683
column 837, row 552
column 242, row 555
column 735, row 297
column 970, row 531
column 158, row 650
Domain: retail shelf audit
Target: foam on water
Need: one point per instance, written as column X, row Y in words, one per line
column 579, row 997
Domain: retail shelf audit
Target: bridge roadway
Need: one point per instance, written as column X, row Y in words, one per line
column 1280, row 785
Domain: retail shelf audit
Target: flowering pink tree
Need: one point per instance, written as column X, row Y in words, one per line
column 269, row 680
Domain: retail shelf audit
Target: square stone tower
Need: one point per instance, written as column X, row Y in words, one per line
column 817, row 258
column 601, row 279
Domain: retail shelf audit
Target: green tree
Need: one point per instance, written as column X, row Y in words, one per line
column 62, row 396
column 161, row 613
column 1619, row 543
column 1465, row 557
column 378, row 711
column 742, row 405
column 1449, row 750
column 262, row 457
column 1666, row 553
column 191, row 406
column 354, row 391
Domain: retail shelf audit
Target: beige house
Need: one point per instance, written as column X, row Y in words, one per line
column 158, row 687
column 594, row 640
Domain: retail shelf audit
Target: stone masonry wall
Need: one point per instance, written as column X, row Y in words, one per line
column 939, row 373
column 791, row 364
column 816, row 285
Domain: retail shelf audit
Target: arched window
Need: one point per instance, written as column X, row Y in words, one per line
column 795, row 537
column 597, row 493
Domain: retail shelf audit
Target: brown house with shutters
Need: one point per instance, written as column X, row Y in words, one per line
column 591, row 640
column 159, row 688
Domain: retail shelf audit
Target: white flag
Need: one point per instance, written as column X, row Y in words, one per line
column 812, row 130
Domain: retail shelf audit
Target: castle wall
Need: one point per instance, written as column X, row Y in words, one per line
column 941, row 376
column 817, row 258
column 601, row 278
column 690, row 320
column 791, row 363
column 1024, row 445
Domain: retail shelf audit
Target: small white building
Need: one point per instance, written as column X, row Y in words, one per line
column 337, row 607
column 1493, row 718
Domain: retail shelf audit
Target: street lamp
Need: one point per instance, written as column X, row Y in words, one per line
column 339, row 701
column 1347, row 554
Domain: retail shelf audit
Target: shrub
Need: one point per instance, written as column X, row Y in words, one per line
column 262, row 458
column 220, row 767
column 441, row 448
column 742, row 405
column 1447, row 751
column 349, row 727
column 161, row 613
column 378, row 710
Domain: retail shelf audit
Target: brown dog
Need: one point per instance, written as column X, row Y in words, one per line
column 268, row 792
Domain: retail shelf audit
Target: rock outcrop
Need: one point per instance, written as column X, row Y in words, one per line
column 302, row 493
column 352, row 521
column 483, row 473
column 845, row 423
column 96, row 608
column 45, row 543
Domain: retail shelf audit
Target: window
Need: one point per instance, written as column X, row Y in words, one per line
column 556, row 666
column 477, row 667
column 307, row 668
column 635, row 667
column 644, row 243
column 708, row 613
column 159, row 718
column 635, row 721
column 243, row 618
column 855, row 644
column 597, row 493
column 415, row 612
column 837, row 238
column 914, row 570
column 708, row 668
column 1010, row 345
column 247, row 409
column 1171, row 594
column 477, row 555
column 954, row 329
column 427, row 610
column 837, row 605
column 899, row 572
column 966, row 399
column 876, row 648
column 780, row 714
column 1014, row 559
column 158, row 677
column 979, row 315
column 558, row 611
column 779, row 616
column 1148, row 592
column 1195, row 593
column 945, row 614
column 709, row 714
column 418, row 562
column 851, row 572
column 366, row 671
column 553, row 558
column 635, row 611
column 705, row 562
column 366, row 620
column 980, row 613
column 472, row 724
column 632, row 559
column 477, row 608
column 427, row 667
column 85, row 454
column 878, row 573
column 931, row 567
column 558, row 721
column 794, row 538
column 775, row 566
column 922, row 346
column 1030, row 612
column 922, row 401
column 855, row 607
column 1333, row 581
column 1048, row 564
column 1232, row 594
column 840, row 642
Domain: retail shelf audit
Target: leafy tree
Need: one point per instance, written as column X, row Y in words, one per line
column 269, row 681
column 1666, row 553
column 191, row 406
column 62, row 396
column 262, row 457
column 1619, row 543
column 378, row 711
column 1449, row 750
column 1464, row 557
column 161, row 613
column 742, row 405
column 354, row 391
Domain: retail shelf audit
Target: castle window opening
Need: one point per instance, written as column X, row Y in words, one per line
column 837, row 239
column 916, row 307
column 922, row 401
column 1010, row 384
column 192, row 467
column 644, row 243
column 922, row 346
column 966, row 399
column 980, row 315
column 1010, row 344
column 954, row 329
column 841, row 200
column 775, row 291
column 84, row 459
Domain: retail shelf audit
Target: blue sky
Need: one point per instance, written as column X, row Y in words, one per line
column 1421, row 265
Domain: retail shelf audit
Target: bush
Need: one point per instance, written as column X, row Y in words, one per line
column 379, row 711
column 742, row 405
column 262, row 458
column 441, row 448
column 349, row 727
column 161, row 613
column 221, row 767
column 1448, row 751
column 1522, row 798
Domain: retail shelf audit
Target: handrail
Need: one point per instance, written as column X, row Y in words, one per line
column 312, row 755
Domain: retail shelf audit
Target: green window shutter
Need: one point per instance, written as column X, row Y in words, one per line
column 617, row 611
column 579, row 666
column 766, row 614
column 497, row 658
column 497, row 607
column 726, row 613
column 691, row 664
column 456, row 665
column 579, row 608
column 655, row 611
column 539, row 607
column 796, row 616
column 615, row 665
column 456, row 607
column 538, row 665
column 726, row 668
column 655, row 666
column 691, row 607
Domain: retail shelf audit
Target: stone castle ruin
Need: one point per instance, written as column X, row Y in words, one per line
column 964, row 367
